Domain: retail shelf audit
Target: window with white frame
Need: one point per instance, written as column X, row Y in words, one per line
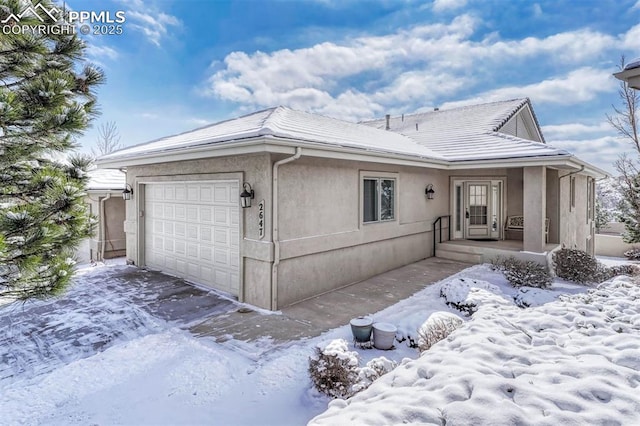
column 378, row 199
column 572, row 193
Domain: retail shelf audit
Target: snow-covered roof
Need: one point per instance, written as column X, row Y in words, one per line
column 470, row 132
column 456, row 135
column 633, row 64
column 106, row 179
column 283, row 122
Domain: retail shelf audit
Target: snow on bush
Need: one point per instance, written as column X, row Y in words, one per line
column 466, row 294
column 521, row 273
column 577, row 266
column 334, row 369
column 528, row 297
column 374, row 369
column 437, row 327
column 633, row 253
column 580, row 267
column 571, row 361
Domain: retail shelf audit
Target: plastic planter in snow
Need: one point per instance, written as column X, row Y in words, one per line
column 384, row 335
column 361, row 328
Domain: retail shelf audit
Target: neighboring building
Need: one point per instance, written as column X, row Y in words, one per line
column 104, row 197
column 630, row 74
column 338, row 202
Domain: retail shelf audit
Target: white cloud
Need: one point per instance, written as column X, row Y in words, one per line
column 572, row 130
column 581, row 85
column 198, row 121
column 631, row 39
column 603, row 151
column 442, row 5
column 537, row 10
column 410, row 68
column 150, row 21
column 636, row 6
column 99, row 52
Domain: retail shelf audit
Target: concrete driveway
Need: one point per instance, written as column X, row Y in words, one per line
column 104, row 307
column 117, row 304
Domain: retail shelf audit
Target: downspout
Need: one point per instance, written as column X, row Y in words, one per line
column 274, row 223
column 102, row 232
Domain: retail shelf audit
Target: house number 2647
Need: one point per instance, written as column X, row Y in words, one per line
column 261, row 219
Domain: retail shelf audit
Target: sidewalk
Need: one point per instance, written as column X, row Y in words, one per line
column 314, row 316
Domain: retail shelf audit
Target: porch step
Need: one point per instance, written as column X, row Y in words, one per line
column 459, row 253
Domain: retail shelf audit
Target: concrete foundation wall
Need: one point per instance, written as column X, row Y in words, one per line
column 306, row 276
column 611, row 245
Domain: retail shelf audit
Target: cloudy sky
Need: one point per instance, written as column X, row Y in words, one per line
column 182, row 64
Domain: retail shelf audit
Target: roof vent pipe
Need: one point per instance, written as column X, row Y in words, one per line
column 388, row 117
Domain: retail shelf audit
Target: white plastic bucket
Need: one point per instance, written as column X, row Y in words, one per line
column 384, row 335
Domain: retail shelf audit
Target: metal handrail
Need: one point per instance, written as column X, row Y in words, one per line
column 438, row 221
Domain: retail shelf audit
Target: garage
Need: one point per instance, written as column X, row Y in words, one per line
column 192, row 230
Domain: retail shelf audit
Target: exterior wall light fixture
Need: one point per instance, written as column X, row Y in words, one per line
column 429, row 192
column 246, row 195
column 127, row 193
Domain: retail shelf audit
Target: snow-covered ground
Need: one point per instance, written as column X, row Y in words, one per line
column 571, row 359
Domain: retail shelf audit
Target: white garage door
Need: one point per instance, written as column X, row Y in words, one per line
column 192, row 231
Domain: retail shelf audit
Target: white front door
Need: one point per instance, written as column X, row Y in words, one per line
column 477, row 209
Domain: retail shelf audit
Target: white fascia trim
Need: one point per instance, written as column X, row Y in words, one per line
column 269, row 144
column 277, row 145
column 564, row 161
column 220, row 149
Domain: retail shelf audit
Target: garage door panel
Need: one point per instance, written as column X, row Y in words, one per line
column 221, row 236
column 205, row 233
column 235, row 238
column 206, row 214
column 192, row 230
column 221, row 216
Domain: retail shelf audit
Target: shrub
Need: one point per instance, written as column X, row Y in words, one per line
column 577, row 266
column 466, row 295
column 607, row 273
column 334, row 369
column 437, row 327
column 521, row 273
column 633, row 253
column 374, row 369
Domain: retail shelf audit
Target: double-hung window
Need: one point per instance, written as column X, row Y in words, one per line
column 379, row 199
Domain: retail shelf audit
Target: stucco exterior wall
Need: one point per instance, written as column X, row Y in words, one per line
column 324, row 243
column 256, row 253
column 573, row 220
column 553, row 200
column 111, row 230
column 611, row 245
column 114, row 230
column 514, row 192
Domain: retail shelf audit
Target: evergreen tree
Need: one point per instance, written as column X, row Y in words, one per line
column 46, row 98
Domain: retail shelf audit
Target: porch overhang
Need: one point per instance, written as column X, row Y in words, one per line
column 630, row 75
column 564, row 162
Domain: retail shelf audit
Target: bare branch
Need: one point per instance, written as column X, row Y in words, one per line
column 108, row 139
